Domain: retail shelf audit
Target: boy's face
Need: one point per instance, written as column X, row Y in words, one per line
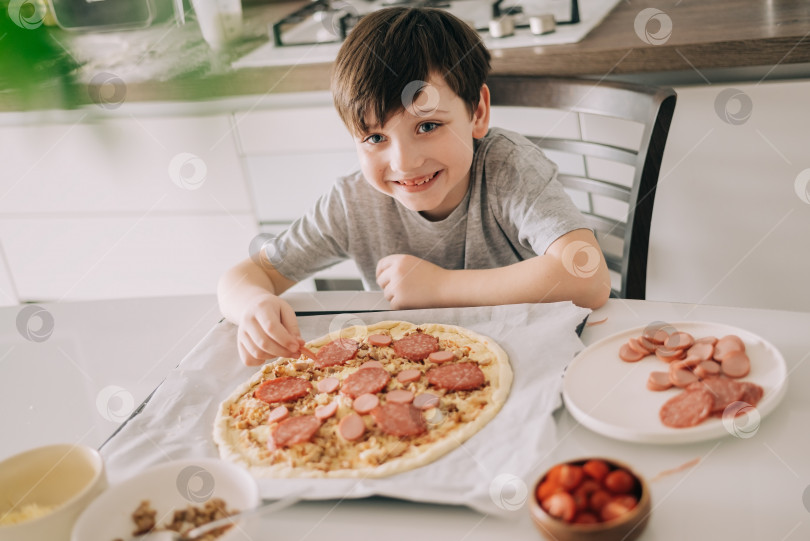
column 422, row 155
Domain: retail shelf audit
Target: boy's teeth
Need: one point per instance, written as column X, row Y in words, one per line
column 419, row 182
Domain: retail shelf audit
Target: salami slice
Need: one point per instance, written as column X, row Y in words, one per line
column 416, row 346
column 752, row 393
column 689, row 408
column 336, row 352
column 282, row 389
column 365, row 381
column 724, row 390
column 456, row 377
column 399, row 419
column 293, row 430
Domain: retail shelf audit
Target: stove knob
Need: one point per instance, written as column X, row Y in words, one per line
column 542, row 24
column 502, row 27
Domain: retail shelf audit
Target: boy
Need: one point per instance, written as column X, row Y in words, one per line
column 444, row 211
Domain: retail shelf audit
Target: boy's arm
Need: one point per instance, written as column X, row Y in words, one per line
column 248, row 297
column 573, row 268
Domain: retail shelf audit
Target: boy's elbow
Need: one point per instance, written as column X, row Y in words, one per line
column 595, row 292
column 596, row 296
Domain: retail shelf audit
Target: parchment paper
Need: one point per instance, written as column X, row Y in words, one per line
column 490, row 472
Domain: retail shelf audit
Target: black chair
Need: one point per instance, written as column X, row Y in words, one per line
column 624, row 242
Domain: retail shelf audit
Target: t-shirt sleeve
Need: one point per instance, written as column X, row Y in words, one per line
column 315, row 241
column 530, row 203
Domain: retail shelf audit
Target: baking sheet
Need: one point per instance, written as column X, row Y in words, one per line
column 490, row 472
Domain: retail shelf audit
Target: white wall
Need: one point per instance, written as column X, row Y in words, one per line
column 729, row 227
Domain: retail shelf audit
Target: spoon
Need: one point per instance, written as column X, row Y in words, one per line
column 169, row 535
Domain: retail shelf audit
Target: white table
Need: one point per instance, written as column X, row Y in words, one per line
column 100, row 361
column 742, row 489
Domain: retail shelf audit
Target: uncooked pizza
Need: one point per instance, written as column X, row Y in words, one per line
column 370, row 401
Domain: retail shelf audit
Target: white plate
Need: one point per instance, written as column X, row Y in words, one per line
column 610, row 396
column 169, row 486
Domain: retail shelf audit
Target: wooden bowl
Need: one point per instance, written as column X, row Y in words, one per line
column 623, row 528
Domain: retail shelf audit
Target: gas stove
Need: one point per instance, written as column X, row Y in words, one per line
column 329, row 21
column 313, row 33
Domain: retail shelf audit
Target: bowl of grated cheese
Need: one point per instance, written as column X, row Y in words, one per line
column 43, row 491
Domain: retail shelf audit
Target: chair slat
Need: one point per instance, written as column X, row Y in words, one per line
column 585, row 148
column 596, row 187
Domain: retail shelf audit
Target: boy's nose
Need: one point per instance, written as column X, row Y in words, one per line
column 405, row 157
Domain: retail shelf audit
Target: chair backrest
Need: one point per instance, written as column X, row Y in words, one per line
column 599, row 107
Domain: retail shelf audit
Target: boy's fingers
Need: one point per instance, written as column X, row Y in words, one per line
column 290, row 324
column 246, row 357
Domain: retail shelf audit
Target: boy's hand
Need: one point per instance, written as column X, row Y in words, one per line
column 410, row 282
column 268, row 329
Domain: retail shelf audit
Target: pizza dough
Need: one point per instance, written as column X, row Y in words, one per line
column 377, row 400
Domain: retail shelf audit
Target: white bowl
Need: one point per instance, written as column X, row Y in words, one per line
column 168, row 487
column 64, row 478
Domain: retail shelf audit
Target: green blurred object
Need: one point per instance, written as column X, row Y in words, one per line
column 35, row 71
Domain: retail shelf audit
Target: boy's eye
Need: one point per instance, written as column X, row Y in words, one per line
column 374, row 139
column 428, row 127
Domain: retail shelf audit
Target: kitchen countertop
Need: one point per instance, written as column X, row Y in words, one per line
column 741, row 488
column 705, row 36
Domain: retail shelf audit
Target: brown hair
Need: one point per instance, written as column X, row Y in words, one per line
column 392, row 47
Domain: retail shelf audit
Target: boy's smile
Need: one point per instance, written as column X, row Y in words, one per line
column 422, row 155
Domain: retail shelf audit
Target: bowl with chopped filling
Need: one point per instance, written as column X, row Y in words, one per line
column 176, row 496
column 44, row 490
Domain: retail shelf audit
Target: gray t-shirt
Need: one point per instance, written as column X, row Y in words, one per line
column 513, row 210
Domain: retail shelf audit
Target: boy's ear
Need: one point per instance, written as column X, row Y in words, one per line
column 481, row 114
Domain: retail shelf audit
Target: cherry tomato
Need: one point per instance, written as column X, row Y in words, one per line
column 583, row 492
column 598, row 500
column 627, row 500
column 585, row 518
column 612, row 510
column 596, row 469
column 619, row 482
column 546, row 489
column 560, row 505
column 570, row 476
column 554, row 474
